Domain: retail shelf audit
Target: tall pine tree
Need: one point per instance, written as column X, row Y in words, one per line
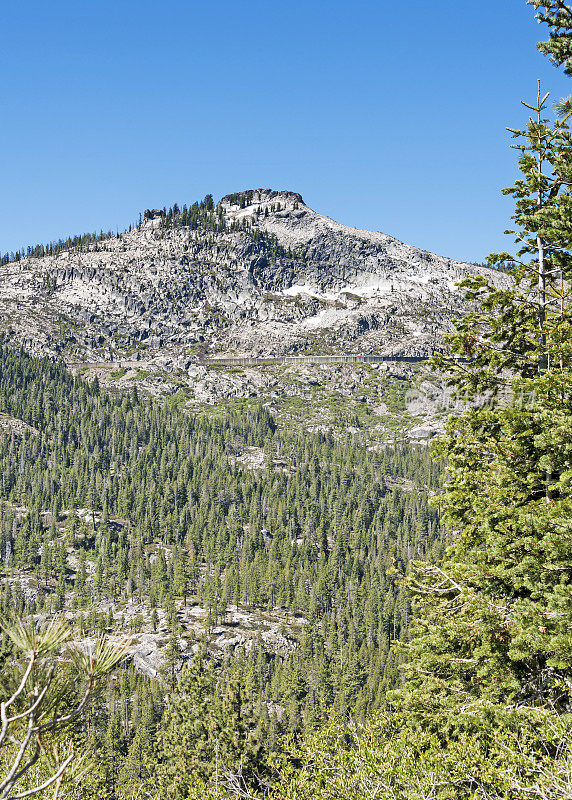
column 495, row 615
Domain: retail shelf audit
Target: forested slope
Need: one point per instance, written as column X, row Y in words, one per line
column 130, row 514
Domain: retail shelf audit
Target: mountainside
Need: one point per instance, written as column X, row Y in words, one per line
column 260, row 274
column 281, row 550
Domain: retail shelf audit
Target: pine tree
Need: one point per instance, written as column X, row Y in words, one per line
column 558, row 16
column 494, row 623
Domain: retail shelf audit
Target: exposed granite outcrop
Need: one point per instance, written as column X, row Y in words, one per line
column 280, row 279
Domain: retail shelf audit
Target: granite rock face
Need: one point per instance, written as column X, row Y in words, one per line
column 279, row 279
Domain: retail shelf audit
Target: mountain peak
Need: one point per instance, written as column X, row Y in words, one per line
column 261, row 199
column 262, row 273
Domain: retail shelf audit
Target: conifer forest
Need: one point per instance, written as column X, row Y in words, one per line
column 220, row 601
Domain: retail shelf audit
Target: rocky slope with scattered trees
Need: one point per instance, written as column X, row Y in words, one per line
column 260, row 274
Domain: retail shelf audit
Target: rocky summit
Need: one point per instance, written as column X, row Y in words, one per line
column 260, row 274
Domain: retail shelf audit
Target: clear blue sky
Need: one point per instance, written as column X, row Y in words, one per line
column 385, row 115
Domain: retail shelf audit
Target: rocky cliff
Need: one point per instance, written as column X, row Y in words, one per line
column 259, row 274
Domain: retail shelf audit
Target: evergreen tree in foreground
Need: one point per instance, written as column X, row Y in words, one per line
column 558, row 17
column 44, row 700
column 495, row 622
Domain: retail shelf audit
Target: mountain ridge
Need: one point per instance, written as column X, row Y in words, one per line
column 259, row 274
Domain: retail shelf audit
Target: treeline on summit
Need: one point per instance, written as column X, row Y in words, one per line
column 201, row 215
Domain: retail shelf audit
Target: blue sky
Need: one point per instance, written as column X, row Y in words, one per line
column 384, row 115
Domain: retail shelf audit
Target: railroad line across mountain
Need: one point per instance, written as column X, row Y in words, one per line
column 247, row 361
